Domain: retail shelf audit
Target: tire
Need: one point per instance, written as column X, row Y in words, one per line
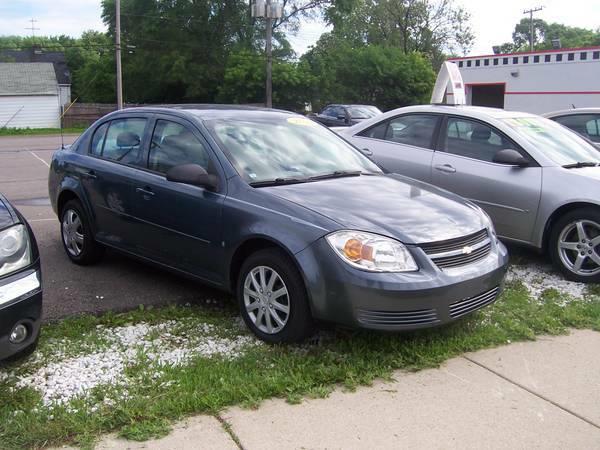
column 74, row 222
column 575, row 242
column 27, row 351
column 295, row 324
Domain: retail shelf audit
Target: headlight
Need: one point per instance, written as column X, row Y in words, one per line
column 14, row 249
column 372, row 252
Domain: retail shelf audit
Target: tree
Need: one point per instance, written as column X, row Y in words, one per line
column 431, row 27
column 544, row 33
column 374, row 74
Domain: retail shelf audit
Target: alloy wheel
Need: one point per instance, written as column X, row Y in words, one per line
column 579, row 247
column 72, row 232
column 266, row 299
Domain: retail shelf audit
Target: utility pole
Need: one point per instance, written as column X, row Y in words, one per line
column 118, row 54
column 269, row 11
column 269, row 86
column 530, row 12
column 32, row 28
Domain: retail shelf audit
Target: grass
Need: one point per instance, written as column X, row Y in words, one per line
column 39, row 131
column 148, row 406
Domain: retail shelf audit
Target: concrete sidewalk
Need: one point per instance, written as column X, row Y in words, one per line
column 543, row 394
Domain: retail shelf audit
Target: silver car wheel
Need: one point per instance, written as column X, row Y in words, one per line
column 266, row 299
column 579, row 247
column 72, row 232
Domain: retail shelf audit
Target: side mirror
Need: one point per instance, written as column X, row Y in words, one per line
column 341, row 117
column 192, row 174
column 510, row 157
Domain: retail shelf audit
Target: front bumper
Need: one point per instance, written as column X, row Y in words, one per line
column 399, row 301
column 20, row 303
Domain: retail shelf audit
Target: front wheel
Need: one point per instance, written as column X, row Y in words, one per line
column 272, row 298
column 575, row 245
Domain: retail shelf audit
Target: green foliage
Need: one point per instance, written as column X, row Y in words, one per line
column 245, row 76
column 544, row 33
column 374, row 74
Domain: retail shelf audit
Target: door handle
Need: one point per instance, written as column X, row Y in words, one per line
column 447, row 168
column 366, row 152
column 144, row 191
column 90, row 174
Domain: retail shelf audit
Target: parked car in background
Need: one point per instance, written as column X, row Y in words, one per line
column 538, row 181
column 345, row 115
column 280, row 211
column 585, row 121
column 20, row 284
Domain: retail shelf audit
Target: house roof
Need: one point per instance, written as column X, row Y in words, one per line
column 36, row 54
column 27, row 79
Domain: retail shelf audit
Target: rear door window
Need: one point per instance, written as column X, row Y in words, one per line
column 98, row 139
column 413, row 129
column 123, row 141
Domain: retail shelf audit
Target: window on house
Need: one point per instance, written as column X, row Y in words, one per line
column 504, row 60
column 571, row 56
column 486, row 62
column 478, row 63
column 547, row 58
column 536, row 59
column 559, row 57
column 525, row 59
column 515, row 60
column 583, row 56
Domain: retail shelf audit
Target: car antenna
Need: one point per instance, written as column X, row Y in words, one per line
column 573, row 106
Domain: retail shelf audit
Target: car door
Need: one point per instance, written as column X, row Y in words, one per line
column 402, row 144
column 464, row 164
column 107, row 174
column 179, row 224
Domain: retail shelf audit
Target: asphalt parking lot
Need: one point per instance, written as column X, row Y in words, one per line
column 117, row 283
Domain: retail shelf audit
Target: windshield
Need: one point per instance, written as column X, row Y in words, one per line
column 283, row 147
column 558, row 143
column 363, row 112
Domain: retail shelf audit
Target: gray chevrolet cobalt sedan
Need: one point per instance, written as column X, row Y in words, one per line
column 538, row 181
column 279, row 210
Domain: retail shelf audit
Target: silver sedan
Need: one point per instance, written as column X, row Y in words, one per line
column 538, row 181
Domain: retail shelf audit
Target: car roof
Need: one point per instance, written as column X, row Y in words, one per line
column 468, row 110
column 572, row 112
column 208, row 111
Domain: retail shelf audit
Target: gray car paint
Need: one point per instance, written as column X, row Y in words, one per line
column 200, row 234
column 522, row 202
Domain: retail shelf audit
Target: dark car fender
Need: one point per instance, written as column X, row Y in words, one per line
column 69, row 186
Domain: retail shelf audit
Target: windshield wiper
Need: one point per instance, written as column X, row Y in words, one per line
column 580, row 164
column 337, row 174
column 277, row 182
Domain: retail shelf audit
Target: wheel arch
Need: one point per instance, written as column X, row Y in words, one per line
column 558, row 213
column 252, row 245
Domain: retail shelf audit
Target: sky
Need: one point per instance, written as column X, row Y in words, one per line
column 492, row 21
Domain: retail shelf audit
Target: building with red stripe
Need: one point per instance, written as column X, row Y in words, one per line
column 536, row 82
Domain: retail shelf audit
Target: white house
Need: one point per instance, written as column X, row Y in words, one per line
column 30, row 96
column 536, row 82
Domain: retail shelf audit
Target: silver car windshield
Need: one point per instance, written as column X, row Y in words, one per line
column 558, row 143
column 285, row 147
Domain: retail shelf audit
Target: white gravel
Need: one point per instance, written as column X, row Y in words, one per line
column 61, row 378
column 538, row 278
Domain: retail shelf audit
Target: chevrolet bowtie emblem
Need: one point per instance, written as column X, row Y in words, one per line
column 467, row 250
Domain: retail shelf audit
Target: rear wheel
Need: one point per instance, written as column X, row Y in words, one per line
column 575, row 245
column 272, row 298
column 76, row 235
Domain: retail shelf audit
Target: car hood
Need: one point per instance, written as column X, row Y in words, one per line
column 586, row 172
column 391, row 205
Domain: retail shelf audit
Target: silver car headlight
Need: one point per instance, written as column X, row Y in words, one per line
column 372, row 252
column 15, row 252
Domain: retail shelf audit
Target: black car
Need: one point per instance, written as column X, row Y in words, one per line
column 279, row 210
column 20, row 284
column 345, row 115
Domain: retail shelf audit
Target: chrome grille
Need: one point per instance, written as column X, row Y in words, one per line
column 467, row 305
column 418, row 317
column 460, row 251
